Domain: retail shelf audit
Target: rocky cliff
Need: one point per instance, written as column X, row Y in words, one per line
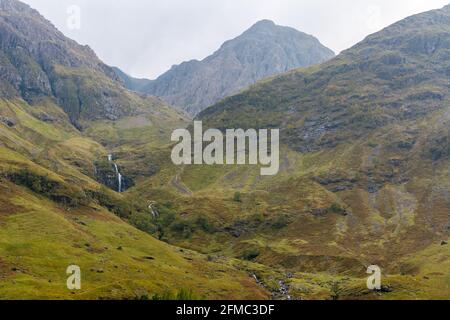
column 37, row 61
column 264, row 50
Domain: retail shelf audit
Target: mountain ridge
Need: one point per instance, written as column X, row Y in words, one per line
column 363, row 179
column 381, row 60
column 263, row 50
column 38, row 61
column 53, row 210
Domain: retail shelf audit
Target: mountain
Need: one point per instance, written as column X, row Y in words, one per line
column 264, row 50
column 62, row 112
column 86, row 176
column 130, row 82
column 39, row 61
column 370, row 127
column 399, row 74
column 363, row 175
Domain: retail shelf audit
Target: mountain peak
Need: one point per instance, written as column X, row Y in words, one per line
column 398, row 73
column 263, row 24
column 16, row 6
column 263, row 50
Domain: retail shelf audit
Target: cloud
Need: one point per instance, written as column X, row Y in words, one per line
column 145, row 38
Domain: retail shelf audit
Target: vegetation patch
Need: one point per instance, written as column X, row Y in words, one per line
column 43, row 185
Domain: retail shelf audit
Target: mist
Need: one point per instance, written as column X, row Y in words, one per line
column 145, row 38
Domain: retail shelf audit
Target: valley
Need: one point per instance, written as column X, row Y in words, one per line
column 86, row 175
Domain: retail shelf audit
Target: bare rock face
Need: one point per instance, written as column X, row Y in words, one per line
column 264, row 50
column 37, row 60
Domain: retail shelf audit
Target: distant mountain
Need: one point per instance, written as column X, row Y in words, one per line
column 264, row 50
column 134, row 84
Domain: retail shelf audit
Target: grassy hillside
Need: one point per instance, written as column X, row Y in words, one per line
column 364, row 171
column 39, row 240
column 363, row 178
column 52, row 215
column 62, row 111
column 309, row 222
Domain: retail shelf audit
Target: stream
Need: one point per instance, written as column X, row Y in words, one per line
column 118, row 174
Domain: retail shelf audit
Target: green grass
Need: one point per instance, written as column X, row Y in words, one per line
column 363, row 180
column 305, row 228
column 40, row 240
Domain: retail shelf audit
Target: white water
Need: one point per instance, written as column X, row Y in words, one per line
column 153, row 211
column 119, row 178
column 118, row 174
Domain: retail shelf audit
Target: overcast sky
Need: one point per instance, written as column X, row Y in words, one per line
column 146, row 37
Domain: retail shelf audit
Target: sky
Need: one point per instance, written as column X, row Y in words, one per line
column 146, row 37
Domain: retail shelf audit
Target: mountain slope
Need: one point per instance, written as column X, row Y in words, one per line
column 53, row 211
column 39, row 61
column 263, row 50
column 363, row 175
column 388, row 77
column 54, row 214
column 44, row 68
column 39, row 240
column 375, row 119
column 385, row 101
column 363, row 180
column 130, row 82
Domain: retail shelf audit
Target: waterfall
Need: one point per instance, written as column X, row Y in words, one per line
column 118, row 174
column 153, row 211
column 119, row 178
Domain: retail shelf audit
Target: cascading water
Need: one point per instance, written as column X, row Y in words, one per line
column 119, row 178
column 118, row 174
column 153, row 210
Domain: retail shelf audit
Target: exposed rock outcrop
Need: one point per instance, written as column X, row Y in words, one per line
column 37, row 60
column 264, row 50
